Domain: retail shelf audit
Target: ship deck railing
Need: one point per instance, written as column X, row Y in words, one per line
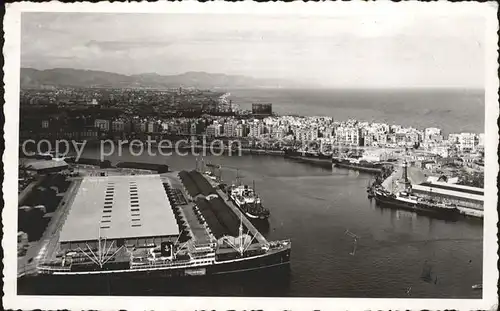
column 53, row 268
column 279, row 244
column 204, row 255
column 162, row 265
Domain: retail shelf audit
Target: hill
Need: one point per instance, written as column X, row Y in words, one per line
column 67, row 77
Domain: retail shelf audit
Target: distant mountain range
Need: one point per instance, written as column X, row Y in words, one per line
column 66, row 77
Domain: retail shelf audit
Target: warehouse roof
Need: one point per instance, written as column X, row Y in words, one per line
column 44, row 165
column 116, row 207
column 432, row 189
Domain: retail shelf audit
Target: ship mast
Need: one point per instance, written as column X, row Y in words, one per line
column 241, row 234
column 254, row 195
column 405, row 172
column 241, row 245
column 103, row 255
column 237, row 177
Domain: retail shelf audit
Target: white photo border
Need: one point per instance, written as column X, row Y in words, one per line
column 12, row 54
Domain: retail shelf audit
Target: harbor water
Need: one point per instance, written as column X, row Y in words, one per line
column 452, row 110
column 397, row 253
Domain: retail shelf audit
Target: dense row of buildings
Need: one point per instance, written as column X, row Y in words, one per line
column 283, row 128
column 81, row 115
column 129, row 101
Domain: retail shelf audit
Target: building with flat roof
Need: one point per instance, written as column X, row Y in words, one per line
column 44, row 166
column 470, row 197
column 133, row 210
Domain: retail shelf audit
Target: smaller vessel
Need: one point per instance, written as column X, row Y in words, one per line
column 477, row 286
column 248, row 201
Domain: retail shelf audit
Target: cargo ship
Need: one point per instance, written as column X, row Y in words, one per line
column 248, row 202
column 407, row 200
column 171, row 260
column 243, row 196
column 358, row 164
column 182, row 227
column 311, row 157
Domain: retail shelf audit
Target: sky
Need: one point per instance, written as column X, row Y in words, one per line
column 379, row 51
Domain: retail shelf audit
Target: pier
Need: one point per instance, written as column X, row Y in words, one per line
column 247, row 223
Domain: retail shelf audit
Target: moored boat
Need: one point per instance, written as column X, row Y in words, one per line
column 407, row 200
column 248, row 202
column 359, row 165
column 477, row 286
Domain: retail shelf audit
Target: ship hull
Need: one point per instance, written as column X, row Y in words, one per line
column 357, row 167
column 278, row 259
column 174, row 282
column 418, row 208
column 323, row 162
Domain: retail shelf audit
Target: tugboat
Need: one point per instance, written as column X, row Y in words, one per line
column 248, row 201
column 477, row 286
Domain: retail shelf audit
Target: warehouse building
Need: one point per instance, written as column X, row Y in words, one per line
column 131, row 211
column 470, row 197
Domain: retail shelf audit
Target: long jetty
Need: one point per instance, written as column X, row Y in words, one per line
column 260, row 238
column 248, row 224
column 227, row 216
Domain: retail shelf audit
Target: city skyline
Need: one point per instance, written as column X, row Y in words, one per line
column 297, row 155
column 369, row 52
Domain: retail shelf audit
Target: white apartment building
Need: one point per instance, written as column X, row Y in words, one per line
column 239, row 130
column 432, row 134
column 453, row 138
column 230, row 129
column 102, row 124
column 256, row 129
column 213, row 130
column 442, row 151
column 369, row 140
column 381, row 139
column 118, row 126
column 481, row 140
column 467, row 142
column 306, row 134
column 151, row 127
column 192, row 129
column 348, row 136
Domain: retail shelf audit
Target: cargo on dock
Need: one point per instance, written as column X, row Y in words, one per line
column 159, row 168
column 94, row 162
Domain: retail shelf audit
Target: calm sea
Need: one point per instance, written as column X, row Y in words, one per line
column 452, row 110
column 314, row 207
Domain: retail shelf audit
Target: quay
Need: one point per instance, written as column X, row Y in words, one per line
column 199, row 186
column 184, row 225
column 326, row 163
column 260, row 238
